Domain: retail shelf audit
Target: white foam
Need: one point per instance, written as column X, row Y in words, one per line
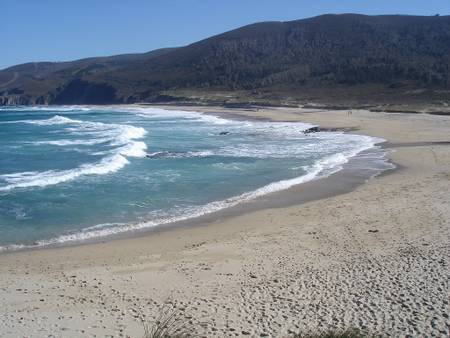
column 124, row 133
column 134, row 149
column 52, row 177
column 122, row 137
column 46, row 108
column 158, row 113
column 57, row 119
column 321, row 168
column 63, row 143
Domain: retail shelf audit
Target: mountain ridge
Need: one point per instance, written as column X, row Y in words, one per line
column 341, row 57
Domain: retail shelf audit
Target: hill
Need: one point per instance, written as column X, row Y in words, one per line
column 351, row 58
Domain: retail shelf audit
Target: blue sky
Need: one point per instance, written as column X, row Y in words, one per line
column 59, row 30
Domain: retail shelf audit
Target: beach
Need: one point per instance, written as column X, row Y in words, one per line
column 373, row 256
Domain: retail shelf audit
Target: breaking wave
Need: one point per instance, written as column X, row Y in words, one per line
column 121, row 137
column 321, row 168
column 124, row 142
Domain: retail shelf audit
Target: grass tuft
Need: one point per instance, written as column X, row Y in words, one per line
column 173, row 323
column 169, row 324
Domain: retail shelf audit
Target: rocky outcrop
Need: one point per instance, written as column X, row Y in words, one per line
column 312, row 130
column 15, row 100
column 24, row 100
column 84, row 92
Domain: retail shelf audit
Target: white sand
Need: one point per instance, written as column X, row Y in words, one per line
column 376, row 258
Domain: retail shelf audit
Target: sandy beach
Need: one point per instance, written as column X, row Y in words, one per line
column 373, row 256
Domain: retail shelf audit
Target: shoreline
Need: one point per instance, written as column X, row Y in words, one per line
column 375, row 258
column 343, row 180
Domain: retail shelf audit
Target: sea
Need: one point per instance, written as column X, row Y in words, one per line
column 70, row 174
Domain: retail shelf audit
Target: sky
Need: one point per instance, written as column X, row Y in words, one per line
column 62, row 30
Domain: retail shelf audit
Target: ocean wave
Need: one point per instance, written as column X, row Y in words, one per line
column 124, row 133
column 46, row 108
column 63, row 143
column 133, row 149
column 323, row 144
column 120, row 136
column 57, row 119
column 51, row 177
column 280, row 128
column 123, row 138
column 157, row 113
column 222, row 126
column 321, row 168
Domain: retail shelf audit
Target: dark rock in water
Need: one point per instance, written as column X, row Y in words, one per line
column 172, row 154
column 312, row 130
column 158, row 154
column 224, row 133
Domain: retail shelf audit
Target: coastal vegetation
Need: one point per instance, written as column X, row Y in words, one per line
column 174, row 324
column 331, row 58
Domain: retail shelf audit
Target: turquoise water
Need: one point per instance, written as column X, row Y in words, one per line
column 74, row 173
